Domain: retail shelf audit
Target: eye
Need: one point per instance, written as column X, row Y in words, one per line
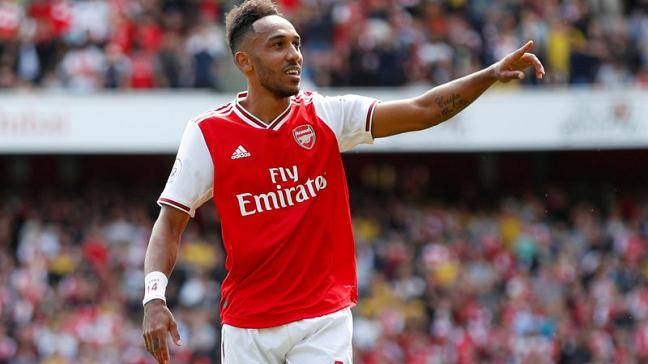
column 297, row 44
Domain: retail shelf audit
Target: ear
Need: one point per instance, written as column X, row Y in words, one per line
column 243, row 61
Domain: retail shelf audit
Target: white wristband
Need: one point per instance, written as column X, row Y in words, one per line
column 155, row 284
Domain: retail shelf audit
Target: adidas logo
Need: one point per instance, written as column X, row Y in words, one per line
column 240, row 152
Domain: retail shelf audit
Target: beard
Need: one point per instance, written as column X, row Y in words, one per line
column 271, row 81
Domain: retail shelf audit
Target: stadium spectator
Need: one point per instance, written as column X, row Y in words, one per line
column 347, row 43
column 547, row 277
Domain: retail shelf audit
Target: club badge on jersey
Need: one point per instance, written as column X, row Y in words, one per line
column 304, row 136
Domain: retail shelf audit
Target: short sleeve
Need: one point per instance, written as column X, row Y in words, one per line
column 191, row 181
column 349, row 116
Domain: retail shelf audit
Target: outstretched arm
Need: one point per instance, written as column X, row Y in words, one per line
column 161, row 256
column 445, row 101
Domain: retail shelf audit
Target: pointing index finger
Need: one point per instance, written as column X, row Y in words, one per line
column 520, row 52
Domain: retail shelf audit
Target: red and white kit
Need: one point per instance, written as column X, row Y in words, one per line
column 281, row 193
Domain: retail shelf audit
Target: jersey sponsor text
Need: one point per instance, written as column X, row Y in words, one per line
column 282, row 197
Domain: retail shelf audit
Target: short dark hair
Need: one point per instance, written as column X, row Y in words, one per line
column 239, row 20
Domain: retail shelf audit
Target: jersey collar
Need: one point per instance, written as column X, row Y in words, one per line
column 252, row 120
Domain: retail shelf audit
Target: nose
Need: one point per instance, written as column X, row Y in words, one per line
column 294, row 54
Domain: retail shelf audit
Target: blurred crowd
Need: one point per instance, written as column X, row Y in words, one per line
column 87, row 45
column 72, row 278
column 535, row 278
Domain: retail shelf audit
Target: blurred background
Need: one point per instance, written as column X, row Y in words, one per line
column 515, row 233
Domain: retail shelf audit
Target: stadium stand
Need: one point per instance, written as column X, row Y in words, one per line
column 535, row 268
column 467, row 257
column 127, row 44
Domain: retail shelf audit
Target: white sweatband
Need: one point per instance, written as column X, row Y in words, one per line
column 155, row 284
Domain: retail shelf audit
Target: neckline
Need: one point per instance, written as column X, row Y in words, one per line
column 254, row 121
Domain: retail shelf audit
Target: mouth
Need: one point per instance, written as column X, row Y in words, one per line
column 293, row 71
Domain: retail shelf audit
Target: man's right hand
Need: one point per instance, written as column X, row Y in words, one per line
column 157, row 324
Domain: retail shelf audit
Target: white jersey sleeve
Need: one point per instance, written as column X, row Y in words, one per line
column 349, row 116
column 191, row 181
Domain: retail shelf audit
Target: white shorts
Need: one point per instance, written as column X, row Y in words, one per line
column 319, row 340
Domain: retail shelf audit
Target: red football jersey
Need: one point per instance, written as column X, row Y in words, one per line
column 281, row 193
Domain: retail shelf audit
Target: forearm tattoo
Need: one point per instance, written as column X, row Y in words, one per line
column 451, row 105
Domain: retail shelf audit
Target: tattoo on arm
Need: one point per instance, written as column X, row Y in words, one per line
column 451, row 105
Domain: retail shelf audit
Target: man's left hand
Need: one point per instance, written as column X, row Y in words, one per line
column 513, row 65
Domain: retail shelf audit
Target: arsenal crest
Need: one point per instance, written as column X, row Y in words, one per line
column 304, row 136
